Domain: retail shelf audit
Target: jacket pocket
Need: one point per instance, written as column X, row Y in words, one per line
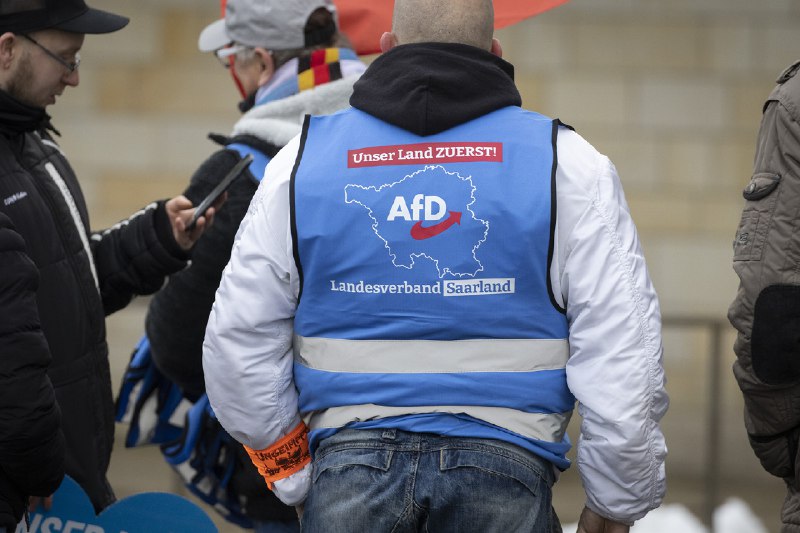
column 346, row 458
column 761, row 196
column 777, row 453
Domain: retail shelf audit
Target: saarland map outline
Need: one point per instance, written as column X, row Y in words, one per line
column 427, row 214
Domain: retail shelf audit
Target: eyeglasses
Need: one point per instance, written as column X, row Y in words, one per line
column 71, row 67
column 224, row 54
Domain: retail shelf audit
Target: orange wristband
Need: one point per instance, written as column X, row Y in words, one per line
column 284, row 458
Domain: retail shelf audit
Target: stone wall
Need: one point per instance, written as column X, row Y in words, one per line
column 671, row 91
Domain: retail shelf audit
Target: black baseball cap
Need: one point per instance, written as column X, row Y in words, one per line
column 74, row 16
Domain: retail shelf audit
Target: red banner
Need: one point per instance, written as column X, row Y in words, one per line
column 364, row 21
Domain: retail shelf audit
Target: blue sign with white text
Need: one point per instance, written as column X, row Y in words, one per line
column 148, row 512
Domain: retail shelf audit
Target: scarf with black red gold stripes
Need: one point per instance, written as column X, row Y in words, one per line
column 307, row 72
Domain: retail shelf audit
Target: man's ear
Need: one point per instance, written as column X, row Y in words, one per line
column 267, row 64
column 496, row 48
column 388, row 41
column 8, row 42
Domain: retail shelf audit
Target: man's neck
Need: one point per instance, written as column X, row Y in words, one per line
column 18, row 117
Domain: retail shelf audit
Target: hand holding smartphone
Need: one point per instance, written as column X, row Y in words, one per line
column 221, row 187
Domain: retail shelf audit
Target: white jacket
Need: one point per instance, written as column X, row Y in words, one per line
column 599, row 274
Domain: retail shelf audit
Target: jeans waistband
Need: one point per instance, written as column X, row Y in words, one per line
column 400, row 440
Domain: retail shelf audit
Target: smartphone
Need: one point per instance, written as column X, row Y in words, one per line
column 218, row 190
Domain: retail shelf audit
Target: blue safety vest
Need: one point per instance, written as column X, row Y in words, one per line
column 260, row 159
column 425, row 301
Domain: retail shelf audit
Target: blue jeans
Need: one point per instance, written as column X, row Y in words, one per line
column 396, row 481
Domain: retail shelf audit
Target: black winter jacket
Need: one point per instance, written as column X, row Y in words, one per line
column 83, row 277
column 178, row 314
column 31, row 442
column 177, row 318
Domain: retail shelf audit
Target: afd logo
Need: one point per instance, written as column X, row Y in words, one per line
column 431, row 209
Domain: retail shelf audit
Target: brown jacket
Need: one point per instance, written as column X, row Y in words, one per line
column 766, row 311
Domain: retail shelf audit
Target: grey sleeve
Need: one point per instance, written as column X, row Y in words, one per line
column 766, row 310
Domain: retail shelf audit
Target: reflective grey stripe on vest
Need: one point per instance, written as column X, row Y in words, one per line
column 539, row 426
column 414, row 356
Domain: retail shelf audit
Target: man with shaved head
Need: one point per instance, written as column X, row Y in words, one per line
column 432, row 279
column 467, row 22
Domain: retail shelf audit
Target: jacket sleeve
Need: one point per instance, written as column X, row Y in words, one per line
column 134, row 256
column 615, row 367
column 766, row 309
column 31, row 442
column 247, row 351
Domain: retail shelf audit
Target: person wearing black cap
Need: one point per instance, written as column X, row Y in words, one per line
column 84, row 275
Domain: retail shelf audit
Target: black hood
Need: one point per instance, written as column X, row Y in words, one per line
column 428, row 88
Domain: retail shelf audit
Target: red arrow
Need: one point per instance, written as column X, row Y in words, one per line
column 419, row 233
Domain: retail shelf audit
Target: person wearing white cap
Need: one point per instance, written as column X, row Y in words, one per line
column 288, row 59
column 84, row 275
